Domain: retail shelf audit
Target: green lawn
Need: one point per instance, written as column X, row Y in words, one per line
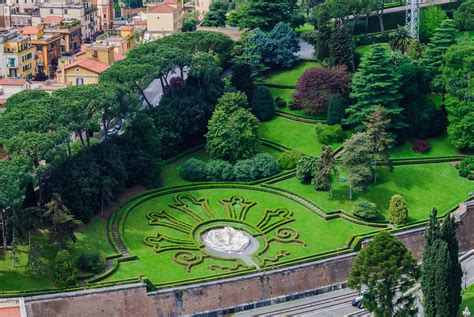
column 289, row 77
column 440, row 146
column 296, row 135
column 423, row 186
column 312, row 230
column 364, row 49
column 305, row 28
column 90, row 238
column 287, row 95
column 467, row 300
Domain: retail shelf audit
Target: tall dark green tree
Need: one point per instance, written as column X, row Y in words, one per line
column 385, row 267
column 454, row 276
column 341, row 48
column 376, row 83
column 441, row 271
column 443, row 38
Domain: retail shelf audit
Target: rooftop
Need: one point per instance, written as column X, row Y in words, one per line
column 53, row 19
column 89, row 64
column 162, row 8
column 12, row 82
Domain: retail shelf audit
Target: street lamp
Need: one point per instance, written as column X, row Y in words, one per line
column 466, row 312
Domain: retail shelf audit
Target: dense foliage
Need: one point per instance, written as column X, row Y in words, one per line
column 316, row 87
column 366, row 210
column 464, row 16
column 398, row 210
column 262, row 104
column 232, row 130
column 306, row 169
column 386, row 268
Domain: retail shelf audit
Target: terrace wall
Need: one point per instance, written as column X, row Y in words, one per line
column 231, row 294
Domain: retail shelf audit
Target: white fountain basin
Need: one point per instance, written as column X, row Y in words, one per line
column 227, row 240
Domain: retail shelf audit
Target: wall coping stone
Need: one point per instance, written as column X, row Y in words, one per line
column 108, row 289
column 253, row 275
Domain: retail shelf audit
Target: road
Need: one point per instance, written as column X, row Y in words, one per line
column 338, row 303
column 154, row 91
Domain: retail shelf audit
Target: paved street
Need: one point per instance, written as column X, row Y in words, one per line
column 154, row 91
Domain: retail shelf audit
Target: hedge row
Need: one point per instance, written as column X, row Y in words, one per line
column 412, row 161
column 299, row 118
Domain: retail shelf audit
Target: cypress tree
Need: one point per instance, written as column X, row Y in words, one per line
column 442, row 269
column 376, row 83
column 448, row 234
column 336, row 106
column 428, row 279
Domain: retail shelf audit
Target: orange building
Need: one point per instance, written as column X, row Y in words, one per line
column 69, row 30
column 105, row 12
column 48, row 50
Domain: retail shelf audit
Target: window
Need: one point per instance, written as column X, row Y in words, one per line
column 51, row 11
column 65, row 11
column 105, row 15
column 79, row 81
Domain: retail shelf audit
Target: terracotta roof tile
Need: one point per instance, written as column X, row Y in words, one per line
column 90, row 64
column 52, row 19
column 12, row 81
column 118, row 57
column 126, row 28
column 162, row 8
column 29, row 30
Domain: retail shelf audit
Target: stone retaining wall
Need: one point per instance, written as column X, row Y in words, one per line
column 231, row 294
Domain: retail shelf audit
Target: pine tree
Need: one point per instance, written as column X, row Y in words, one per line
column 340, row 48
column 376, row 83
column 448, row 234
column 63, row 222
column 444, row 37
column 380, row 140
column 385, row 267
column 336, row 107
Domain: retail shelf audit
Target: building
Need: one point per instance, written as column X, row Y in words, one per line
column 105, row 12
column 17, row 56
column 48, row 50
column 123, row 39
column 84, row 12
column 86, row 66
column 163, row 18
column 202, row 7
column 69, row 30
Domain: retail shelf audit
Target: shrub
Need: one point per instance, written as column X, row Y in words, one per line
column 262, row 104
column 289, row 159
column 194, row 170
column 317, row 85
column 466, row 167
column 329, row 134
column 64, row 271
column 398, row 210
column 366, row 210
column 420, row 146
column 280, row 102
column 245, row 171
column 219, row 170
column 306, row 168
column 91, row 262
column 265, row 165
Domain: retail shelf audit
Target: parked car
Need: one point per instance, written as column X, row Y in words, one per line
column 359, row 300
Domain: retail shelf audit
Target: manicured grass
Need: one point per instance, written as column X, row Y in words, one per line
column 305, row 28
column 289, row 77
column 467, row 300
column 160, row 268
column 296, row 135
column 424, row 186
column 364, row 49
column 90, row 238
column 440, row 146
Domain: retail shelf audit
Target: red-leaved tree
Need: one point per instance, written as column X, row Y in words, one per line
column 317, row 85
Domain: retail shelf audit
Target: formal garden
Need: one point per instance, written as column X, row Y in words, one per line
column 286, row 161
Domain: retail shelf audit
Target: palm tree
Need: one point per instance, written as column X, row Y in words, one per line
column 400, row 40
